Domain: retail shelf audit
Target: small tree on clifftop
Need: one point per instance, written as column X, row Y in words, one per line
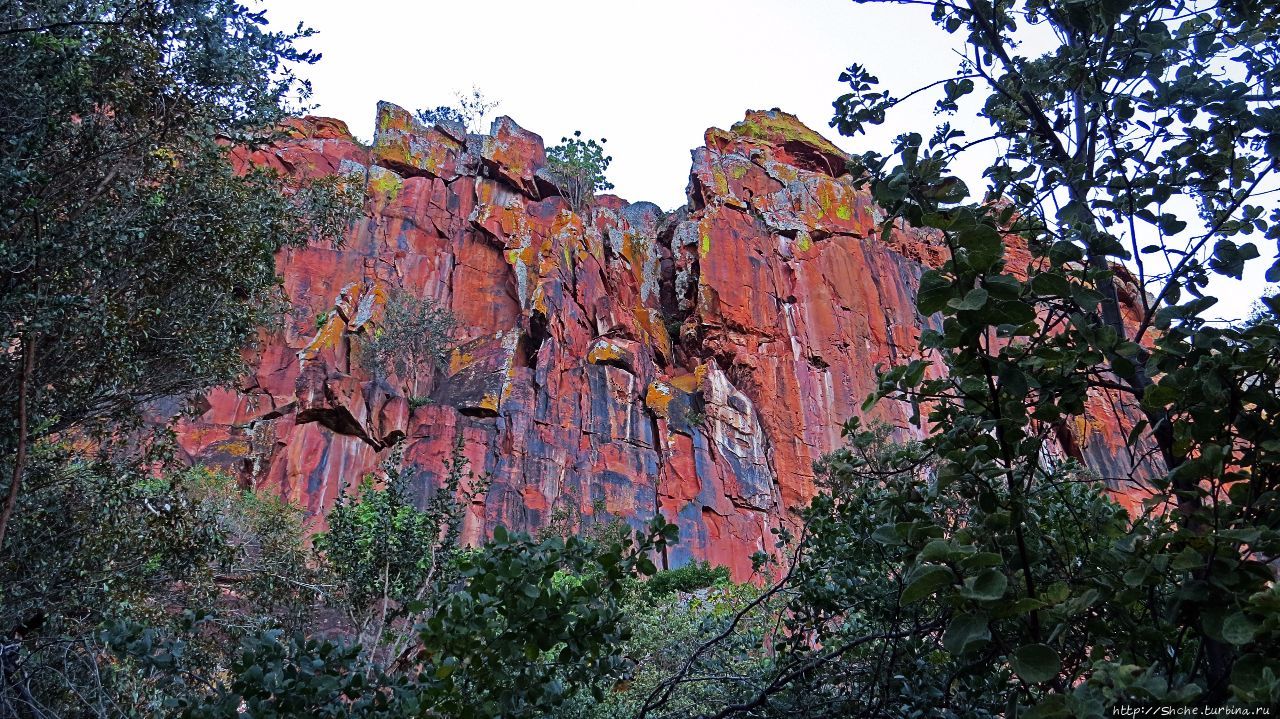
column 581, row 166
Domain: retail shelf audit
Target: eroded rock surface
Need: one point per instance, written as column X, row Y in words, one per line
column 626, row 360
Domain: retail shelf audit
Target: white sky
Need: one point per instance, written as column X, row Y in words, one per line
column 650, row 76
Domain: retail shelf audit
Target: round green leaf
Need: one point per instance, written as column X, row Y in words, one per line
column 925, row 581
column 965, row 630
column 987, row 586
column 1036, row 663
column 1239, row 629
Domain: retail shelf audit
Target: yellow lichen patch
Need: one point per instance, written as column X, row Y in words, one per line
column 783, row 172
column 489, row 402
column 685, row 382
column 236, row 448
column 384, row 182
column 604, row 352
column 844, row 213
column 459, row 361
column 704, row 245
column 700, row 375
column 738, row 172
column 778, row 127
column 721, row 182
column 650, row 323
column 827, row 199
column 1082, row 429
column 658, row 397
column 803, row 242
column 328, row 336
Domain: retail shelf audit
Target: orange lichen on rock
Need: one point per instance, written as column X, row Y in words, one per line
column 694, row 363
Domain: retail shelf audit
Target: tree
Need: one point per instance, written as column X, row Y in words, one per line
column 580, row 165
column 997, row 580
column 505, row 639
column 1137, row 113
column 135, row 262
column 413, row 334
column 106, row 540
column 387, row 557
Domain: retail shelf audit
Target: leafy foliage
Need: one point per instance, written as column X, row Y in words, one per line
column 386, row 557
column 105, row 540
column 978, row 571
column 689, row 578
column 567, row 519
column 580, row 166
column 414, row 333
column 505, row 640
column 136, row 261
column 665, row 630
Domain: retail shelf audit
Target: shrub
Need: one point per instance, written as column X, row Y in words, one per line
column 470, row 111
column 580, row 166
column 414, row 334
column 686, row 579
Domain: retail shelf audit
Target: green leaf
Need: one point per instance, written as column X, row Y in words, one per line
column 1051, row 706
column 1050, row 284
column 1036, row 663
column 1239, row 629
column 987, row 586
column 935, row 550
column 983, row 246
column 1009, row 312
column 973, row 300
column 1188, row 559
column 924, row 581
column 966, row 630
column 935, row 290
column 887, row 534
column 981, row 560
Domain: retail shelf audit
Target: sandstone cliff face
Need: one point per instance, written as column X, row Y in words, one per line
column 623, row 360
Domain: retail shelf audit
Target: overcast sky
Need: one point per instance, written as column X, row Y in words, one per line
column 650, row 76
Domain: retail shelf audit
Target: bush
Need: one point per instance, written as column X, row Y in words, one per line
column 580, row 166
column 470, row 111
column 413, row 335
column 687, row 579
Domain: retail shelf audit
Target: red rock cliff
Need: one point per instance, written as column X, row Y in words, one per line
column 693, row 363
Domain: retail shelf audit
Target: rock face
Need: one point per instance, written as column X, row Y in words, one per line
column 622, row 361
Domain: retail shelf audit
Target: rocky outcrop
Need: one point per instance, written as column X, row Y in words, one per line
column 624, row 360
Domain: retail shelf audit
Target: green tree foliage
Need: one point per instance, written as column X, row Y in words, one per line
column 689, row 578
column 977, row 572
column 385, row 556
column 102, row 540
column 135, row 262
column 567, row 519
column 414, row 334
column 504, row 640
column 1141, row 112
column 666, row 628
column 580, row 166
